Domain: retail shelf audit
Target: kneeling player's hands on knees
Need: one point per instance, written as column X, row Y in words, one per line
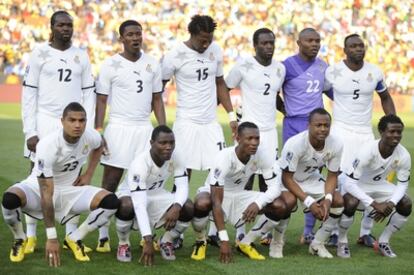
column 147, row 257
column 172, row 216
column 52, row 254
column 32, row 142
column 83, row 180
column 326, row 207
column 317, row 210
column 251, row 212
column 225, row 252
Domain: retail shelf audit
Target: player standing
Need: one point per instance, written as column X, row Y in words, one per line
column 133, row 81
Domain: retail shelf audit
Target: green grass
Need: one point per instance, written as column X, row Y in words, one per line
column 13, row 168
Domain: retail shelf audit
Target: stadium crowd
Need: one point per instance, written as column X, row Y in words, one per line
column 387, row 27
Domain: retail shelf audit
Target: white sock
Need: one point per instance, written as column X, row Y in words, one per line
column 395, row 223
column 12, row 217
column 366, row 224
column 199, row 226
column 345, row 223
column 123, row 230
column 72, row 225
column 171, row 235
column 261, row 227
column 325, row 230
column 96, row 218
column 104, row 230
column 31, row 226
column 212, row 230
column 279, row 230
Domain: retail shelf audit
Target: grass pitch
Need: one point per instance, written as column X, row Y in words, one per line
column 13, row 168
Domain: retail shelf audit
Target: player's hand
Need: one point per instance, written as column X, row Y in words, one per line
column 82, row 180
column 378, row 213
column 52, row 252
column 317, row 211
column 389, row 208
column 147, row 256
column 326, row 207
column 171, row 216
column 32, row 142
column 251, row 212
column 105, row 150
column 225, row 252
column 233, row 127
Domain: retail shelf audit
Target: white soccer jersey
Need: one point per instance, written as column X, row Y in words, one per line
column 130, row 86
column 259, row 86
column 195, row 75
column 353, row 92
column 369, row 167
column 299, row 157
column 61, row 160
column 144, row 174
column 53, row 79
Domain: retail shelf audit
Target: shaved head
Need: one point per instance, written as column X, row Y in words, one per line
column 306, row 31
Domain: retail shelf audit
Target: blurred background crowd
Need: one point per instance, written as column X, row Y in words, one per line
column 387, row 27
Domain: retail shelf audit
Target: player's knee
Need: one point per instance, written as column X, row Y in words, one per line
column 11, row 201
column 126, row 210
column 350, row 205
column 338, row 200
column 404, row 206
column 110, row 201
column 202, row 206
column 187, row 211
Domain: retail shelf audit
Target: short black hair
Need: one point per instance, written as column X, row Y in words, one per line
column 319, row 111
column 244, row 126
column 259, row 32
column 160, row 129
column 305, row 30
column 56, row 14
column 387, row 119
column 201, row 23
column 73, row 107
column 126, row 24
column 350, row 36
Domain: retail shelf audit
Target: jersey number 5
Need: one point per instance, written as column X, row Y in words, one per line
column 356, row 94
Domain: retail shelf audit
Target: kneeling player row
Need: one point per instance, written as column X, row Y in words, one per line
column 60, row 193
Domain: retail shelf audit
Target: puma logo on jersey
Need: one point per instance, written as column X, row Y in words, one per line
column 64, row 61
column 137, row 73
column 309, row 74
column 268, row 76
column 355, row 80
column 201, row 61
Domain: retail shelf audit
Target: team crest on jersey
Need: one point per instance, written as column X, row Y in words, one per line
column 85, row 149
column 254, row 166
column 279, row 74
column 211, row 57
column 41, row 164
column 170, row 167
column 289, row 156
column 76, row 59
column 26, row 72
column 327, row 156
column 321, row 67
column 217, row 173
column 369, row 77
column 149, row 69
column 136, row 178
column 355, row 163
column 394, row 165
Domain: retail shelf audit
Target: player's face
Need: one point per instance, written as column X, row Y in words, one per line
column 74, row 124
column 63, row 28
column 309, row 44
column 355, row 49
column 249, row 140
column 392, row 134
column 132, row 39
column 201, row 41
column 319, row 127
column 265, row 46
column 164, row 145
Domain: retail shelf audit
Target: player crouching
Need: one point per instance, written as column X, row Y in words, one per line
column 143, row 195
column 56, row 189
column 366, row 186
column 230, row 201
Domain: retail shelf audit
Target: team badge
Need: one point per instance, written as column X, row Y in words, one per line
column 76, row 59
column 136, row 178
column 321, row 67
column 170, row 167
column 149, row 69
column 327, row 156
column 355, row 163
column 279, row 74
column 217, row 173
column 26, row 72
column 394, row 165
column 211, row 57
column 289, row 156
column 41, row 164
column 370, row 78
column 254, row 166
column 85, row 149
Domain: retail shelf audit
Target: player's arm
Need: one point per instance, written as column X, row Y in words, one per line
column 180, row 198
column 158, row 107
column 101, row 101
column 387, row 102
column 223, row 97
column 93, row 162
column 46, row 201
column 280, row 105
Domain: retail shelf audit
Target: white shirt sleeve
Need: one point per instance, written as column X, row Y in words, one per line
column 381, row 86
column 88, row 91
column 104, row 79
column 234, row 77
column 272, row 176
column 45, row 158
column 403, row 178
column 334, row 162
column 351, row 187
column 290, row 156
column 167, row 66
column 156, row 81
column 328, row 79
column 180, row 181
column 221, row 169
column 219, row 71
column 29, row 96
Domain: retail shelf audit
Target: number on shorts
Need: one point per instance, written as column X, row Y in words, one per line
column 221, row 145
